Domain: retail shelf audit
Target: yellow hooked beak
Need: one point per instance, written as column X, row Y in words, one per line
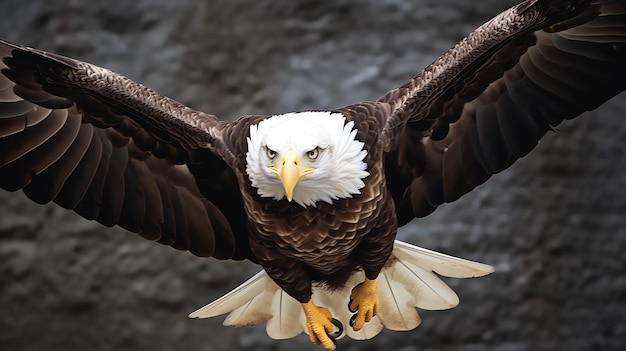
column 289, row 172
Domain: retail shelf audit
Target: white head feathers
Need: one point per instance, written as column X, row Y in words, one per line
column 325, row 145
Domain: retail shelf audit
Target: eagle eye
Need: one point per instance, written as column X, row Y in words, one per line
column 271, row 154
column 313, row 154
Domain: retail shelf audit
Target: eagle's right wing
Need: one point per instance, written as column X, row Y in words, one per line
column 117, row 152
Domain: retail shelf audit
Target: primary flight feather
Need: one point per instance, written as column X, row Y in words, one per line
column 314, row 197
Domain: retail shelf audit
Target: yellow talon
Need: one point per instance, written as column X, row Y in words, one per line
column 318, row 322
column 364, row 301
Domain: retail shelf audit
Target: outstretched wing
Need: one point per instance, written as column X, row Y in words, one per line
column 489, row 100
column 115, row 151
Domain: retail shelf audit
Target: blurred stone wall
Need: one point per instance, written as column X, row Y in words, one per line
column 553, row 225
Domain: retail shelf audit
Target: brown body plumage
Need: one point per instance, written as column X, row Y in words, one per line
column 114, row 151
column 326, row 243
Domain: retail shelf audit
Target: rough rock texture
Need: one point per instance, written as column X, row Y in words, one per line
column 554, row 225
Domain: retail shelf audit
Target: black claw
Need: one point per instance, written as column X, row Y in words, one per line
column 350, row 304
column 352, row 319
column 337, row 332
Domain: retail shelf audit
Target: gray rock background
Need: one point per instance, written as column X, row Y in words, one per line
column 554, row 224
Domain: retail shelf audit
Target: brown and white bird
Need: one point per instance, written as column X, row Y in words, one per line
column 314, row 197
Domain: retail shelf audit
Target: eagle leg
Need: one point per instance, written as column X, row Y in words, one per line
column 363, row 301
column 319, row 324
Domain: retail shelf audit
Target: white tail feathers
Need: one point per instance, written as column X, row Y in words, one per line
column 407, row 281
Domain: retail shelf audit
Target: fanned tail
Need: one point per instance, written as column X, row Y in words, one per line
column 407, row 281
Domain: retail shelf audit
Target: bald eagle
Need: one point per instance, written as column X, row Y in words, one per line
column 314, row 197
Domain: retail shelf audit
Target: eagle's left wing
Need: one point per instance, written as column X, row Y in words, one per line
column 489, row 99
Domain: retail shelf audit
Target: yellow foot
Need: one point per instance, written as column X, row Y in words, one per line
column 320, row 325
column 363, row 301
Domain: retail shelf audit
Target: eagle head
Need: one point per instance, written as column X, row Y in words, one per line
column 306, row 157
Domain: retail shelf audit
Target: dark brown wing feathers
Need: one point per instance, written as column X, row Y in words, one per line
column 114, row 151
column 489, row 100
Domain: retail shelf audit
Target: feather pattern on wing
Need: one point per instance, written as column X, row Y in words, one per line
column 492, row 97
column 117, row 152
